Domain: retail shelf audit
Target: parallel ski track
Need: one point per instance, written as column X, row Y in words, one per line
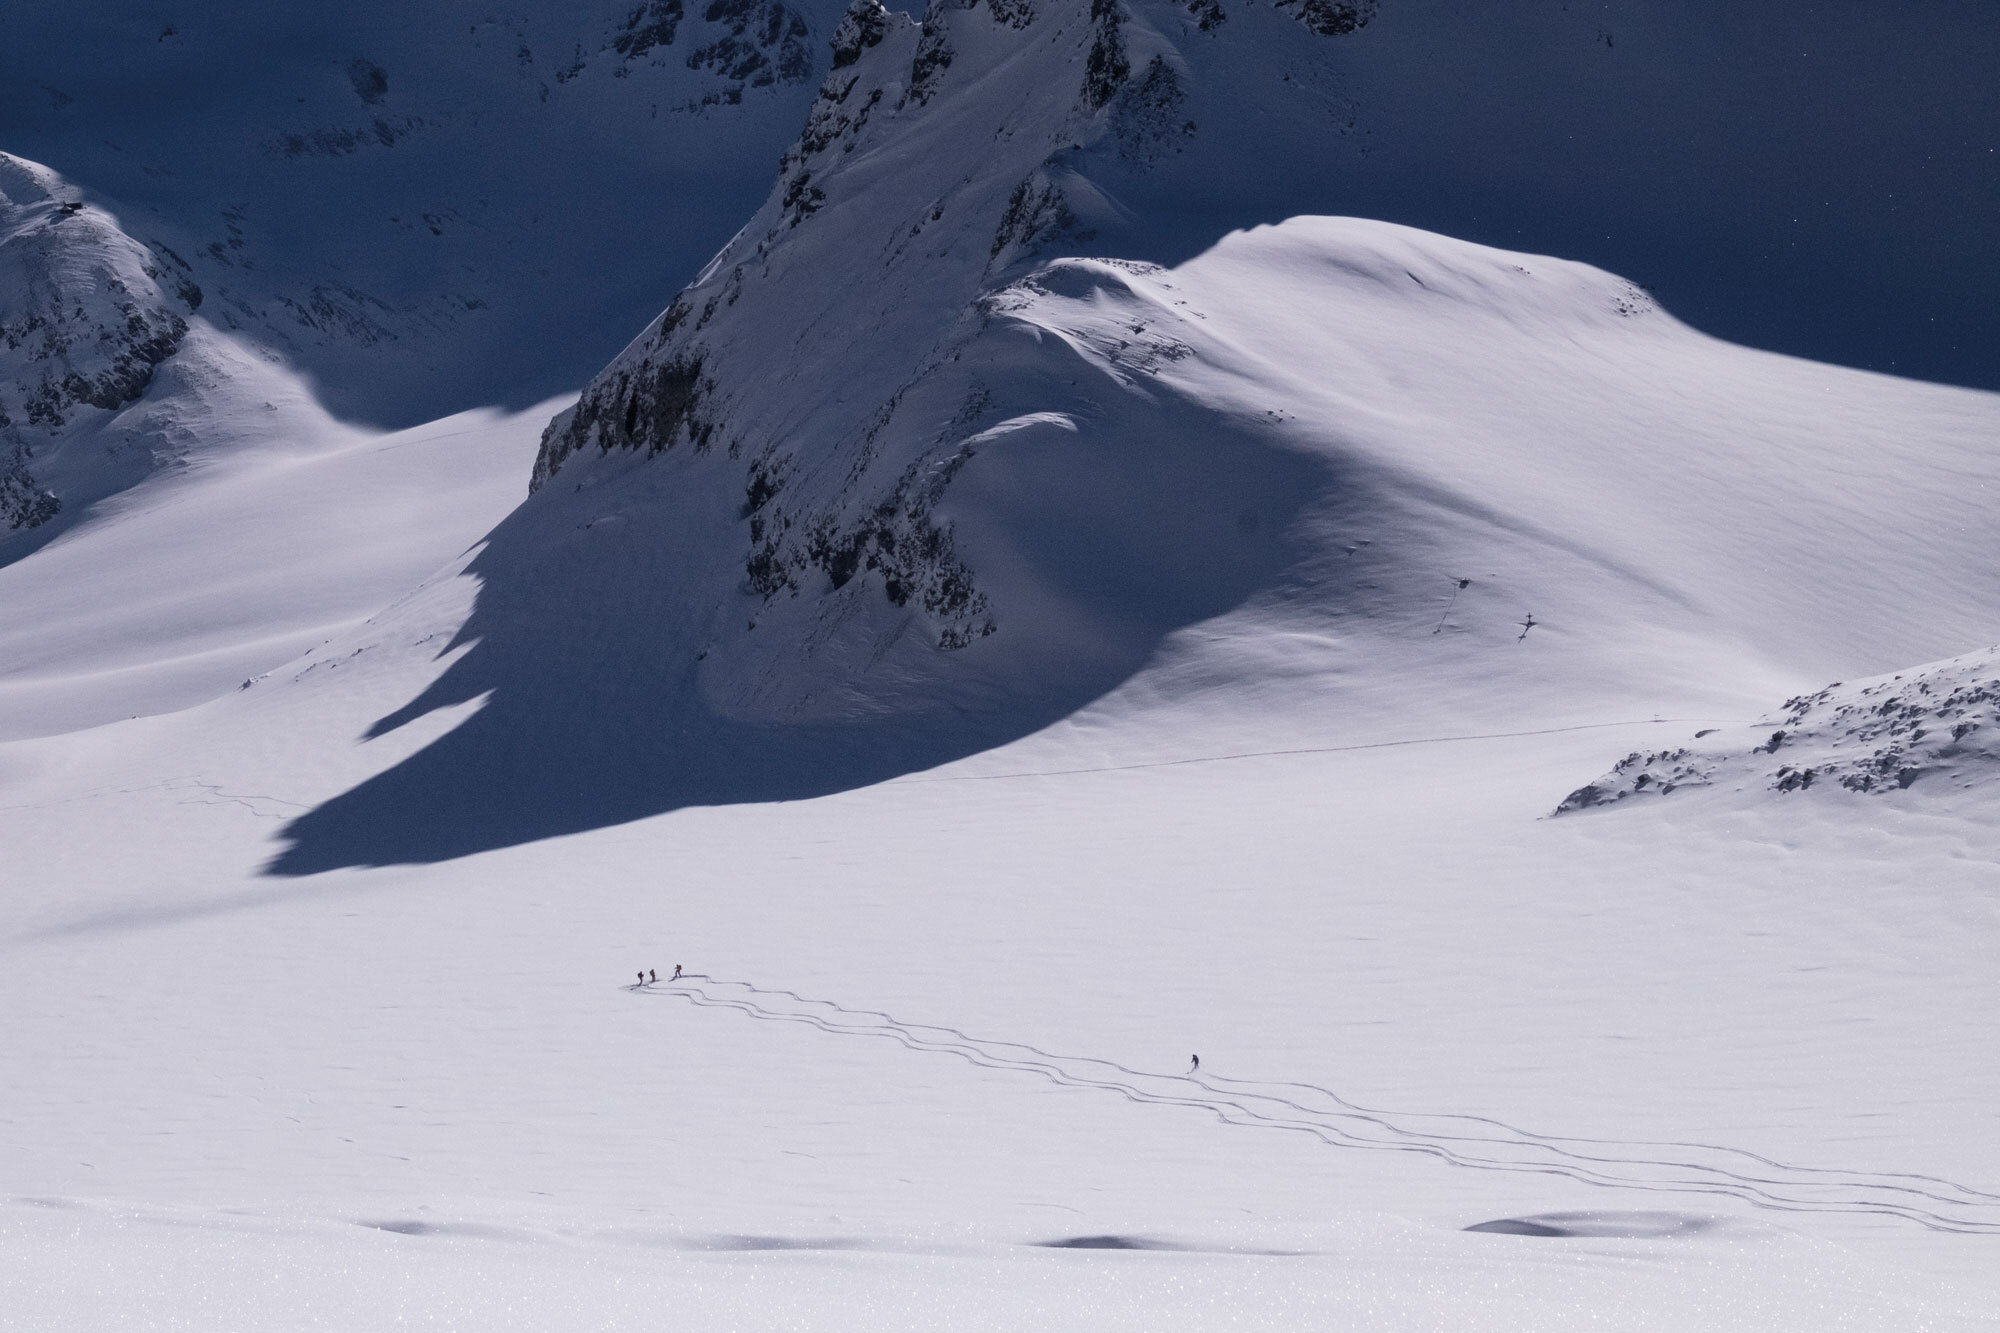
column 1473, row 1141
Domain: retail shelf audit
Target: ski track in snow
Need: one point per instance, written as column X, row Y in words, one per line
column 1281, row 754
column 1484, row 1143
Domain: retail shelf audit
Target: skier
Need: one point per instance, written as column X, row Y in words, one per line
column 652, row 975
column 642, row 978
column 1195, row 1067
column 677, row 973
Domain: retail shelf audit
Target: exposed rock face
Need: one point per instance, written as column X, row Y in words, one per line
column 1933, row 727
column 862, row 27
column 1331, row 18
column 1105, row 68
column 86, row 314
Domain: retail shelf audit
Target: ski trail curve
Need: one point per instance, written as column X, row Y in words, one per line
column 1471, row 1141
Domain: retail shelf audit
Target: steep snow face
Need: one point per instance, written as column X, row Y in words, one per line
column 1934, row 727
column 424, row 208
column 904, row 474
column 86, row 314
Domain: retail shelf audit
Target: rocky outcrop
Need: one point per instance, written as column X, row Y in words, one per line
column 1935, row 727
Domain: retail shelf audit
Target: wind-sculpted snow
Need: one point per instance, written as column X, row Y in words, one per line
column 1936, row 728
column 86, row 314
column 1457, row 1138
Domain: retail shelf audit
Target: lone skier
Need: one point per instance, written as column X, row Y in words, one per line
column 1194, row 1066
column 677, row 973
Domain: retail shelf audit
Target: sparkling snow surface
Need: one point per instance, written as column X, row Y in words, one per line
column 927, row 1070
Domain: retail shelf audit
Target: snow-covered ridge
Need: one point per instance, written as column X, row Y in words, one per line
column 872, row 260
column 1935, row 727
column 86, row 314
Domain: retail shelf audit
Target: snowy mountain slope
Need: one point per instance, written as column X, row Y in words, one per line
column 443, row 1078
column 890, row 485
column 430, row 208
column 171, row 493
column 235, row 560
column 1933, row 726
